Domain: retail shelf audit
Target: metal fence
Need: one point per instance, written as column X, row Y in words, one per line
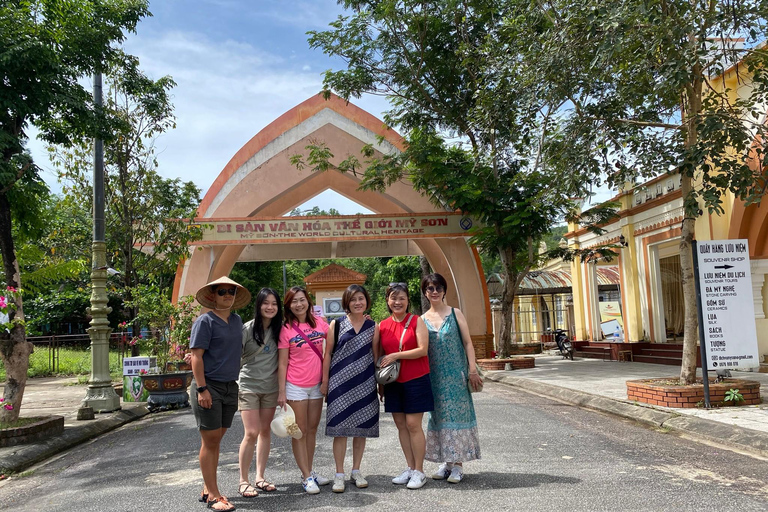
column 531, row 325
column 70, row 354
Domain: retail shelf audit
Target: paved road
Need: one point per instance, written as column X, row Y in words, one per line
column 537, row 455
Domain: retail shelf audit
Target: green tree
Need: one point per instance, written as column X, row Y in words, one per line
column 315, row 211
column 46, row 47
column 148, row 217
column 55, row 268
column 643, row 93
column 435, row 61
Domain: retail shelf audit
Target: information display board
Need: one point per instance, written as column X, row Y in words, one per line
column 137, row 365
column 728, row 311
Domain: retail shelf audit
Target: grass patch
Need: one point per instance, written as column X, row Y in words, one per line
column 18, row 423
column 71, row 361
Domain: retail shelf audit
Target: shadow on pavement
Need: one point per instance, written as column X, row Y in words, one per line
column 292, row 497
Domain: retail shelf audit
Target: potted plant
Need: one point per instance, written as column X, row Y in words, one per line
column 170, row 326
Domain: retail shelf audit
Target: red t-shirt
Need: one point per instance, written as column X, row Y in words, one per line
column 389, row 332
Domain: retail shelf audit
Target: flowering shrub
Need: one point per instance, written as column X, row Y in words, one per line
column 171, row 324
column 8, row 305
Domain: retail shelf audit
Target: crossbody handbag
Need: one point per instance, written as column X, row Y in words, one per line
column 389, row 373
column 311, row 345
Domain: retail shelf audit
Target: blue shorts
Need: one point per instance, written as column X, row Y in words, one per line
column 409, row 397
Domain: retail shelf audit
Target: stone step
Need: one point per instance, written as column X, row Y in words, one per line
column 640, row 358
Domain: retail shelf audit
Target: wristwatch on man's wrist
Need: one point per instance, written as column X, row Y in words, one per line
column 202, row 388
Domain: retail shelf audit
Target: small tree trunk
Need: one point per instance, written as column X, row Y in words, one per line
column 507, row 300
column 691, row 333
column 14, row 347
column 425, row 271
column 691, row 110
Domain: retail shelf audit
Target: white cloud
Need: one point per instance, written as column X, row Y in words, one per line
column 309, row 15
column 227, row 91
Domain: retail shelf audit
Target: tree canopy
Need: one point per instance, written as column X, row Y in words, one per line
column 474, row 130
column 47, row 47
column 648, row 88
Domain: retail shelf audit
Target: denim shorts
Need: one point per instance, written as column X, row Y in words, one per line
column 223, row 408
column 409, row 397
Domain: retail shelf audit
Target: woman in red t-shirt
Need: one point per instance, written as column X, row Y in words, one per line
column 410, row 396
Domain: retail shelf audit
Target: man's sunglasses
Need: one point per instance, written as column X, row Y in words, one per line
column 226, row 291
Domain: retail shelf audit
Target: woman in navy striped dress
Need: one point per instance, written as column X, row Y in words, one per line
column 349, row 383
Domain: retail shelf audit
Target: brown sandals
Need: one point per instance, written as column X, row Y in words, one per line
column 265, row 486
column 246, row 490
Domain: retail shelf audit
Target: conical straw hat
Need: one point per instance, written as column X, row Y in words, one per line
column 207, row 297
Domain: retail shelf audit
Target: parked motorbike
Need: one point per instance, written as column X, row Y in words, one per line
column 564, row 344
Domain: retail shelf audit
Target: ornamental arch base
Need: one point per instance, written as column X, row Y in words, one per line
column 242, row 212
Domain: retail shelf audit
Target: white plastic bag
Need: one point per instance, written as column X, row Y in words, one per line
column 284, row 423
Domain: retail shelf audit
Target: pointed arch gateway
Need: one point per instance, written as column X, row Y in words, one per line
column 259, row 183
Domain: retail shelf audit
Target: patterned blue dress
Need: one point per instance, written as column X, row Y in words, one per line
column 353, row 403
column 452, row 426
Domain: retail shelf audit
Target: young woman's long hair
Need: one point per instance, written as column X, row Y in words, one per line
column 289, row 316
column 274, row 325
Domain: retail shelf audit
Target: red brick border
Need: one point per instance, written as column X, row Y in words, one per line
column 517, row 363
column 45, row 427
column 654, row 392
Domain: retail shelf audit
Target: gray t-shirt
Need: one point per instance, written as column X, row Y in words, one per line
column 222, row 343
column 258, row 365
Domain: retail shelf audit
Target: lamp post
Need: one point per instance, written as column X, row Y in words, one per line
column 100, row 395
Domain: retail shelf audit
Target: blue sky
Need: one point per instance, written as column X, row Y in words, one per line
column 238, row 65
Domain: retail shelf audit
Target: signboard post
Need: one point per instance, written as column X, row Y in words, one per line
column 726, row 310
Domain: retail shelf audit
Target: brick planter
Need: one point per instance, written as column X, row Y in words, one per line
column 46, row 426
column 516, row 363
column 657, row 392
column 522, row 349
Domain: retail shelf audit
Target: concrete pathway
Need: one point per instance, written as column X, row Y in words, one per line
column 608, row 379
column 590, row 383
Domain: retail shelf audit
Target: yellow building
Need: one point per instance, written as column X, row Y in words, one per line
column 649, row 231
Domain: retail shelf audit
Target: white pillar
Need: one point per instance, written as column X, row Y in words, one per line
column 759, row 268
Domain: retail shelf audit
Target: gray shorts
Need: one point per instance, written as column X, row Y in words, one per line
column 223, row 408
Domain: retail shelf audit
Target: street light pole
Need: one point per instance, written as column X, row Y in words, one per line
column 100, row 395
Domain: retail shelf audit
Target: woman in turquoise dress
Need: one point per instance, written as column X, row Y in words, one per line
column 452, row 427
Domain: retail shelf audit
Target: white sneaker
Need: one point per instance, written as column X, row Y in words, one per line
column 442, row 471
column 417, row 481
column 359, row 479
column 310, row 486
column 321, row 480
column 456, row 475
column 404, row 477
column 338, row 484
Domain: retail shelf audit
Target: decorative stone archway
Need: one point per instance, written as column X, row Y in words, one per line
column 260, row 183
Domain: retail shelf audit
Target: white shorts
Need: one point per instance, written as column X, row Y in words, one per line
column 293, row 392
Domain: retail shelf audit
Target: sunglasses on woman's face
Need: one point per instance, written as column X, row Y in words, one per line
column 433, row 289
column 226, row 291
